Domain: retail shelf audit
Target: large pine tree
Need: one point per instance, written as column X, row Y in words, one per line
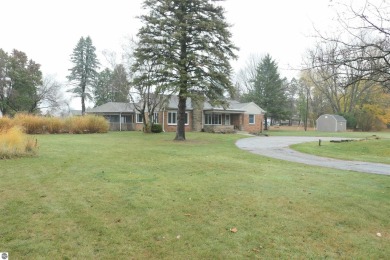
column 267, row 90
column 83, row 73
column 189, row 43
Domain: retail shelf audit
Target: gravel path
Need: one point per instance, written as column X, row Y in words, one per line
column 278, row 147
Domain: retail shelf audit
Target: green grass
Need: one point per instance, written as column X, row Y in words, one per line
column 370, row 150
column 348, row 134
column 135, row 196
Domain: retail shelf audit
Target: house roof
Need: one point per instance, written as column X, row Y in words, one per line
column 249, row 107
column 173, row 103
column 75, row 112
column 233, row 106
column 113, row 107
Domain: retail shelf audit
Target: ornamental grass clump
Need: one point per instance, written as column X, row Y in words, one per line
column 86, row 124
column 96, row 124
column 6, row 123
column 75, row 125
column 54, row 125
column 15, row 143
column 32, row 124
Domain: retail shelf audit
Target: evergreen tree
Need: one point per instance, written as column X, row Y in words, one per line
column 102, row 87
column 120, row 83
column 189, row 43
column 291, row 95
column 84, row 73
column 111, row 86
column 19, row 81
column 268, row 91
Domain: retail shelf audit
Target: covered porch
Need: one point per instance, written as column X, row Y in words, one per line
column 223, row 121
column 121, row 121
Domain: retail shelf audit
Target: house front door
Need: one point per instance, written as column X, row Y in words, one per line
column 227, row 119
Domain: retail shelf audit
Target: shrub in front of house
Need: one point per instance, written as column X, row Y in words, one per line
column 156, row 128
column 15, row 143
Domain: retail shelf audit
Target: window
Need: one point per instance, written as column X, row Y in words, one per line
column 213, row 119
column 112, row 118
column 127, row 119
column 139, row 118
column 251, row 119
column 172, row 118
column 155, row 117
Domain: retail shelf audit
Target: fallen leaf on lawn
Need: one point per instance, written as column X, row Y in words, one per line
column 378, row 234
column 234, row 230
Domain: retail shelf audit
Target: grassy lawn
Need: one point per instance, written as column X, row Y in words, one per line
column 134, row 196
column 294, row 131
column 368, row 150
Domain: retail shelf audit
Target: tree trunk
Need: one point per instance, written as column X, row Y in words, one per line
column 148, row 122
column 181, row 113
column 83, row 86
column 265, row 122
column 82, row 105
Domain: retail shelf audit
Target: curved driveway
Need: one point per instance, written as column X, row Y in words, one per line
column 278, row 147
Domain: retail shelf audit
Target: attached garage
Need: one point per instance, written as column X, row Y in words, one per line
column 331, row 123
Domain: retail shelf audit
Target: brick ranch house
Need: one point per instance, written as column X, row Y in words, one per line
column 201, row 116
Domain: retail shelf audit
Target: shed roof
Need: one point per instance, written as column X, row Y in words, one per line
column 337, row 117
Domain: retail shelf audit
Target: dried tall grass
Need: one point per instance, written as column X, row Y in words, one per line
column 54, row 125
column 6, row 123
column 15, row 143
column 97, row 124
column 86, row 124
column 33, row 124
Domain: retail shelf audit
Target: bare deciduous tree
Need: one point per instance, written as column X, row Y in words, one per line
column 363, row 41
column 50, row 96
column 344, row 86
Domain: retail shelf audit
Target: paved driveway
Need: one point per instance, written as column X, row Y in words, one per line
column 277, row 147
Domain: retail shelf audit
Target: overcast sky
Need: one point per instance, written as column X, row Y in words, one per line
column 48, row 30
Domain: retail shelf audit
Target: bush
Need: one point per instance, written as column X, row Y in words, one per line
column 156, row 128
column 15, row 143
column 351, row 120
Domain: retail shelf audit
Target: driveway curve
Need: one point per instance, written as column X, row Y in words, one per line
column 278, row 147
